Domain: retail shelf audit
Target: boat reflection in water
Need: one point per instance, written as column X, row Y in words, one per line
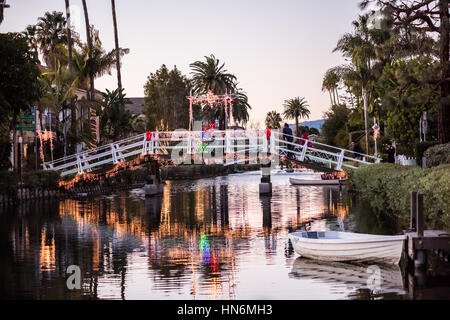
column 373, row 280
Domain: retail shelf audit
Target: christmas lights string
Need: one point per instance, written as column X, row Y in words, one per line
column 212, row 100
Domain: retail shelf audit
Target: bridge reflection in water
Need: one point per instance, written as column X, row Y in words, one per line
column 213, row 238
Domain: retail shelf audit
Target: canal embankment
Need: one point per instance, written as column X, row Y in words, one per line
column 48, row 184
column 387, row 188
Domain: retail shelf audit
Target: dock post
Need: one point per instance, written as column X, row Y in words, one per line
column 420, row 256
column 265, row 187
column 413, row 211
column 419, row 216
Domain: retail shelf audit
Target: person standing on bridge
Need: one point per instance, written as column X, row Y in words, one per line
column 305, row 138
column 288, row 137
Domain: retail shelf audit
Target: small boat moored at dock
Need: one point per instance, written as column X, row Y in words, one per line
column 348, row 247
column 301, row 182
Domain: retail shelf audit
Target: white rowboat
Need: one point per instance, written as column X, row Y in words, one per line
column 345, row 246
column 300, row 182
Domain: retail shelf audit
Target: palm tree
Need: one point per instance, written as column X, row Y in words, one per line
column 241, row 106
column 359, row 47
column 210, row 75
column 331, row 83
column 50, row 33
column 115, row 119
column 273, row 120
column 91, row 95
column 294, row 109
column 116, row 40
column 31, row 34
column 69, row 34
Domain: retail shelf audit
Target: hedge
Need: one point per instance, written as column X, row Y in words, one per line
column 42, row 179
column 421, row 148
column 387, row 187
column 438, row 155
column 8, row 182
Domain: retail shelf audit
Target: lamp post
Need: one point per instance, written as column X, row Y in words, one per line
column 376, row 134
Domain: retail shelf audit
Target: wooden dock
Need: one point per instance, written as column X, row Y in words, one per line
column 419, row 241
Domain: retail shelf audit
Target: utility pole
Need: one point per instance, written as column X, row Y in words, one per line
column 2, row 6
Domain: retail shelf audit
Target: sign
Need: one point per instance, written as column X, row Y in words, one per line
column 24, row 127
column 27, row 118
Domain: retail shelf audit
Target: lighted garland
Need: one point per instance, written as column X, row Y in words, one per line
column 44, row 136
column 211, row 99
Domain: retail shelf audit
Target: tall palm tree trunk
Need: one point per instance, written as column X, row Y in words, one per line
column 69, row 34
column 297, row 133
column 365, row 95
column 116, row 40
column 73, row 111
column 89, row 41
column 444, row 105
column 331, row 98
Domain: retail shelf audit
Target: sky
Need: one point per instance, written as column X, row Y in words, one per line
column 278, row 49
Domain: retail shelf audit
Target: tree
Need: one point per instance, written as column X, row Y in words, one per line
column 166, row 106
column 116, row 121
column 294, row 109
column 427, row 16
column 358, row 46
column 331, row 83
column 19, row 79
column 50, row 33
column 241, row 107
column 91, row 95
column 69, row 34
column 31, row 34
column 116, row 41
column 211, row 75
column 406, row 94
column 334, row 130
column 273, row 120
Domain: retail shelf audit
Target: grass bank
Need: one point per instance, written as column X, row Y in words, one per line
column 387, row 188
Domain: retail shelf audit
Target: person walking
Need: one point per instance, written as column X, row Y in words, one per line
column 288, row 137
column 391, row 153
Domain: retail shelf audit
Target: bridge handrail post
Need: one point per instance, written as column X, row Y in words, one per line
column 264, row 147
column 189, row 143
column 272, row 142
column 144, row 145
column 79, row 165
column 340, row 160
column 113, row 153
column 303, row 154
column 155, row 143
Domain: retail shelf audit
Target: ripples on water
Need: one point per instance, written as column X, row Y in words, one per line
column 207, row 239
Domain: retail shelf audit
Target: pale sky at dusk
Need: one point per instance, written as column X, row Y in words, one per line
column 277, row 49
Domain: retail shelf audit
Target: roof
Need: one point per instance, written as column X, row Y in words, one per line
column 136, row 106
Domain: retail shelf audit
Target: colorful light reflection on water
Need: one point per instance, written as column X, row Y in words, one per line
column 208, row 239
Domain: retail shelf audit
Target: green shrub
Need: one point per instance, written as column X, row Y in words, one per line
column 8, row 182
column 437, row 155
column 387, row 187
column 42, row 179
column 421, row 147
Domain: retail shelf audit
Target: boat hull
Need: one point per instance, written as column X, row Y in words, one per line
column 300, row 182
column 364, row 248
column 352, row 275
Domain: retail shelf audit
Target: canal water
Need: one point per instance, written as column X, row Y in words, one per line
column 207, row 239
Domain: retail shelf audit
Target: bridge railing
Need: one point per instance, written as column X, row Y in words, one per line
column 239, row 143
column 320, row 152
